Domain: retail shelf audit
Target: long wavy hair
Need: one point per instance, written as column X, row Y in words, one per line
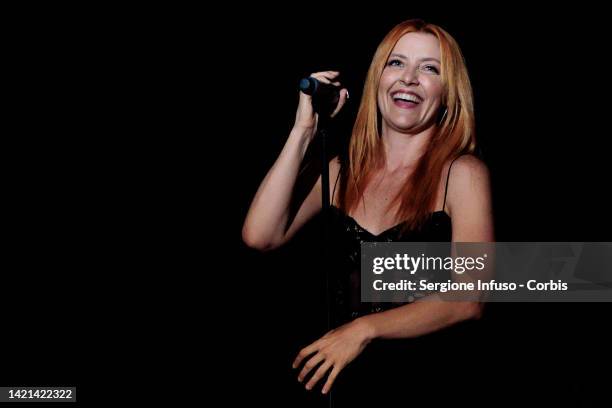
column 453, row 134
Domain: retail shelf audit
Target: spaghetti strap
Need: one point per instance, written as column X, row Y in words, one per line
column 447, row 177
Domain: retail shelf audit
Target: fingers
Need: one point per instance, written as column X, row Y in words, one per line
column 305, row 352
column 344, row 95
column 318, row 374
column 312, row 363
column 330, row 379
column 327, row 77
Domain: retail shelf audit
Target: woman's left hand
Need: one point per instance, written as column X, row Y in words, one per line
column 333, row 351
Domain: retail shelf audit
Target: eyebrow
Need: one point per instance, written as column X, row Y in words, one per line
column 422, row 59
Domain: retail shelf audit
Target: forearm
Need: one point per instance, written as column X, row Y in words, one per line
column 267, row 218
column 418, row 318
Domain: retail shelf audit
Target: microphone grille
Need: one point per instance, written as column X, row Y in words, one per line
column 307, row 85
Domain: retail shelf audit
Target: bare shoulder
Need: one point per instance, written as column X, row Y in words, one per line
column 469, row 200
column 468, row 167
column 468, row 184
column 468, row 173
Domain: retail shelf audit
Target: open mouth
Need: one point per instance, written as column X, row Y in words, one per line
column 406, row 99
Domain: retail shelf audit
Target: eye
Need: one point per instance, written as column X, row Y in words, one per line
column 431, row 68
column 394, row 63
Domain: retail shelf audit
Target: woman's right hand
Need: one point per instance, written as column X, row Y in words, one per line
column 306, row 119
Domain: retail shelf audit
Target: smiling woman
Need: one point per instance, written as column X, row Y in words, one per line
column 414, row 125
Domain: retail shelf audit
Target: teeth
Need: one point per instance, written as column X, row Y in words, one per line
column 406, row 97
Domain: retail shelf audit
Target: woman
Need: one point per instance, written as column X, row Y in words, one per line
column 415, row 124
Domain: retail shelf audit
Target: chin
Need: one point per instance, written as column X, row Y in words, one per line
column 406, row 127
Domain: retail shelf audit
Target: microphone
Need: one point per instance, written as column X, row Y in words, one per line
column 325, row 97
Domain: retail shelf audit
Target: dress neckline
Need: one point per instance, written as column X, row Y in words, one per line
column 444, row 213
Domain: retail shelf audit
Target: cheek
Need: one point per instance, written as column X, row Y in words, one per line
column 434, row 89
column 434, row 86
column 386, row 81
column 380, row 98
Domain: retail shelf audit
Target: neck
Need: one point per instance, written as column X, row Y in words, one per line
column 403, row 150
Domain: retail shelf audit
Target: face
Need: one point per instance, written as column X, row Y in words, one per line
column 410, row 90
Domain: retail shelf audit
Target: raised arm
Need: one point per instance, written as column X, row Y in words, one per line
column 270, row 221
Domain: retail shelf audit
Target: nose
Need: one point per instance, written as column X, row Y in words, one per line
column 409, row 77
